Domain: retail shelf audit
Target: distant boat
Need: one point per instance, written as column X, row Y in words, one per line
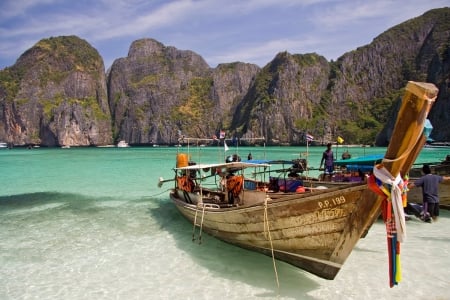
column 438, row 145
column 122, row 144
column 3, row 145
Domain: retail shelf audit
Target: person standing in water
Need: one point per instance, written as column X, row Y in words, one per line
column 328, row 159
column 430, row 185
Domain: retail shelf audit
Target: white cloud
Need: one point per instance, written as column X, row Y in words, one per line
column 220, row 30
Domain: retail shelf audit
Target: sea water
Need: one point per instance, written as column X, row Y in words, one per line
column 93, row 224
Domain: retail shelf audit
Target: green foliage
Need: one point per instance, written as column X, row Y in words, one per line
column 380, row 108
column 10, row 79
column 262, row 84
column 369, row 119
column 90, row 106
column 147, row 81
column 195, row 112
column 355, row 133
column 306, row 60
column 49, row 105
column 71, row 50
column 228, row 67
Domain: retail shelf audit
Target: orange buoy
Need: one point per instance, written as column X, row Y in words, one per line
column 300, row 189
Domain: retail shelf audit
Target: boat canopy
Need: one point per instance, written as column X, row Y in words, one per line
column 363, row 163
column 270, row 162
column 234, row 165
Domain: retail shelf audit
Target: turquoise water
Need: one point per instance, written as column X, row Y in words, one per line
column 92, row 224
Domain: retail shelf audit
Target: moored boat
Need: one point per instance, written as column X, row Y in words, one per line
column 122, row 144
column 445, row 145
column 314, row 228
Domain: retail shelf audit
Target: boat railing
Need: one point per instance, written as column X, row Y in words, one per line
column 209, row 205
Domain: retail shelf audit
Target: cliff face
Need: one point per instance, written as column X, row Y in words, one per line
column 55, row 95
column 231, row 83
column 57, row 92
column 280, row 105
column 158, row 91
column 417, row 50
column 149, row 91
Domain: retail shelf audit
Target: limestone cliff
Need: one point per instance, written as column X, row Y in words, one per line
column 282, row 102
column 55, row 94
column 373, row 76
column 156, row 92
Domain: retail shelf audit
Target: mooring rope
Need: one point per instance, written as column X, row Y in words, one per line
column 267, row 234
column 157, row 194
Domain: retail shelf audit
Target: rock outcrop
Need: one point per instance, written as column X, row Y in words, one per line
column 55, row 95
column 158, row 91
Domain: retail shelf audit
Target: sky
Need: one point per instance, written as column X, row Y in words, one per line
column 221, row 31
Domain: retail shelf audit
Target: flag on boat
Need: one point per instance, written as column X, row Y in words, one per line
column 222, row 134
column 309, row 137
column 225, row 146
column 340, row 140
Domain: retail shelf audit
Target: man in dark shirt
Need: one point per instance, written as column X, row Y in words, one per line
column 430, row 184
column 327, row 157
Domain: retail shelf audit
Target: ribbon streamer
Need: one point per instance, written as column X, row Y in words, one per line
column 393, row 192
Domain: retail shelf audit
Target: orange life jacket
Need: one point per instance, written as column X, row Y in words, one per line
column 235, row 184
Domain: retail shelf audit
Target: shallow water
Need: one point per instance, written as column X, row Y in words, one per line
column 92, row 224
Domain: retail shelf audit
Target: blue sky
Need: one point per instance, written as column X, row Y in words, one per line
column 221, row 31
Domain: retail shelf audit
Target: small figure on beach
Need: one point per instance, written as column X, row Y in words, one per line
column 430, row 184
column 328, row 158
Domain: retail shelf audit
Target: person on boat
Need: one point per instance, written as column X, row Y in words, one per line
column 346, row 155
column 233, row 158
column 430, row 184
column 328, row 159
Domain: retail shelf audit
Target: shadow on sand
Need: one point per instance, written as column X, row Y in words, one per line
column 227, row 261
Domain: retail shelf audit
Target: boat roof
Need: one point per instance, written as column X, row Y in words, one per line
column 236, row 165
column 363, row 160
column 270, row 162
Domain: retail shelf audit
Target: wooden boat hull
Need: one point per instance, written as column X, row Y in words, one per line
column 315, row 232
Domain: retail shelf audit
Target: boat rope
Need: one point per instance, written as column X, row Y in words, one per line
column 195, row 224
column 201, row 225
column 269, row 237
column 157, row 194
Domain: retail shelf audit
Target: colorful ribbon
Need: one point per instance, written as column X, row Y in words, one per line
column 393, row 190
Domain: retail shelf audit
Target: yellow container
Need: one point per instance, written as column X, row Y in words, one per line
column 182, row 160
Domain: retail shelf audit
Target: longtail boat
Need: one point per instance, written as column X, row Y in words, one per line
column 314, row 227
